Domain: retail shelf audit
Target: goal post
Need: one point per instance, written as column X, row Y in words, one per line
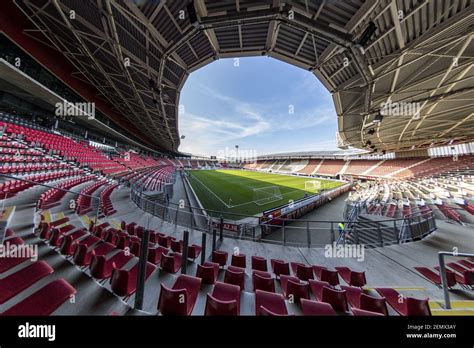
column 266, row 195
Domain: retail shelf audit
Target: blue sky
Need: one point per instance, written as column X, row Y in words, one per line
column 250, row 105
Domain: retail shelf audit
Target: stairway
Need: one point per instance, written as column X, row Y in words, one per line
column 365, row 231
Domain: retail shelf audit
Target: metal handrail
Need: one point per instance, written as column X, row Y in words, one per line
column 442, row 270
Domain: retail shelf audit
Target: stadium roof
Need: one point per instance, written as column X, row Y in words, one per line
column 419, row 51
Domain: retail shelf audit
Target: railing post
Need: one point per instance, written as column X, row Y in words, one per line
column 192, row 220
column 203, row 248
column 356, row 233
column 442, row 271
column 142, row 264
column 308, row 234
column 379, row 232
column 221, row 229
column 214, row 239
column 184, row 262
column 395, row 233
column 333, row 237
column 284, row 233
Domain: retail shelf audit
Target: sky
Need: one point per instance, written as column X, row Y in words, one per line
column 263, row 105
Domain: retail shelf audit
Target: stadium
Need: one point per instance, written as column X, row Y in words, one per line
column 104, row 214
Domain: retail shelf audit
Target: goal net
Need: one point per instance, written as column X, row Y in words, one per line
column 312, row 185
column 266, row 195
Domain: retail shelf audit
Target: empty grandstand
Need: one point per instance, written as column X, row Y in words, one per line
column 102, row 214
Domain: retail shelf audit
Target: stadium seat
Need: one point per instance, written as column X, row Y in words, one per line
column 124, row 282
column 171, row 263
column 224, row 300
column 263, row 281
column 408, row 307
column 269, row 303
column 373, row 304
column 311, row 307
column 238, row 260
column 155, row 254
column 316, row 287
column 351, row 277
column 280, row 267
column 194, row 251
column 302, row 271
column 220, row 257
column 17, row 282
column 177, row 246
column 235, row 276
column 336, row 298
column 208, row 272
column 259, row 263
column 293, row 288
column 181, row 298
column 44, row 301
column 435, row 278
column 329, row 276
column 102, row 268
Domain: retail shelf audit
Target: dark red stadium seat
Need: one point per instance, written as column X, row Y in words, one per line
column 208, row 272
column 329, row 276
column 220, row 257
column 263, row 281
column 259, row 263
column 171, row 263
column 238, row 260
column 293, row 288
column 317, row 270
column 7, row 263
column 102, row 268
column 373, row 304
column 351, row 277
column 194, row 251
column 235, row 276
column 280, row 267
column 164, row 241
column 435, row 278
column 302, row 271
column 22, row 279
column 363, row 313
column 317, row 288
column 353, row 295
column 269, row 303
column 311, row 307
column 44, row 301
column 177, row 246
column 180, row 299
column 155, row 254
column 124, row 282
column 336, row 298
column 405, row 306
column 224, row 300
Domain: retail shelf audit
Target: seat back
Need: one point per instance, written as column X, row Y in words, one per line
column 373, row 304
column 280, row 267
column 173, row 301
column 304, row 272
column 259, row 263
column 239, row 260
column 332, row 277
column 215, row 306
column 336, row 298
column 235, row 278
column 263, row 282
column 358, row 279
column 417, row 307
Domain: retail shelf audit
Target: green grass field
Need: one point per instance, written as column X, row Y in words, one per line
column 233, row 191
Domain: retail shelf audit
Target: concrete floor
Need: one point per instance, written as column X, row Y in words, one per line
column 390, row 266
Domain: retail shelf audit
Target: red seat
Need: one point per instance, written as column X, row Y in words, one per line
column 263, row 281
column 317, row 288
column 317, row 270
column 101, row 268
column 164, row 241
column 44, row 301
column 7, row 263
column 351, row 277
column 238, row 260
column 155, row 254
column 269, row 303
column 171, row 263
column 235, row 276
column 310, row 307
column 81, row 255
column 336, row 298
column 363, row 313
column 224, row 300
column 220, row 257
column 280, row 267
column 373, row 304
column 208, row 272
column 17, row 282
column 435, row 278
column 180, row 299
column 293, row 288
column 124, row 282
column 405, row 306
column 329, row 276
column 302, row 271
column 353, row 295
column 259, row 263
column 177, row 246
column 135, row 248
column 194, row 251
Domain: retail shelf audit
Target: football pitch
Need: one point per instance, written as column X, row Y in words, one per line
column 249, row 193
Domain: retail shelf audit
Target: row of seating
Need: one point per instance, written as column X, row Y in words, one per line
column 52, row 197
column 106, row 205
